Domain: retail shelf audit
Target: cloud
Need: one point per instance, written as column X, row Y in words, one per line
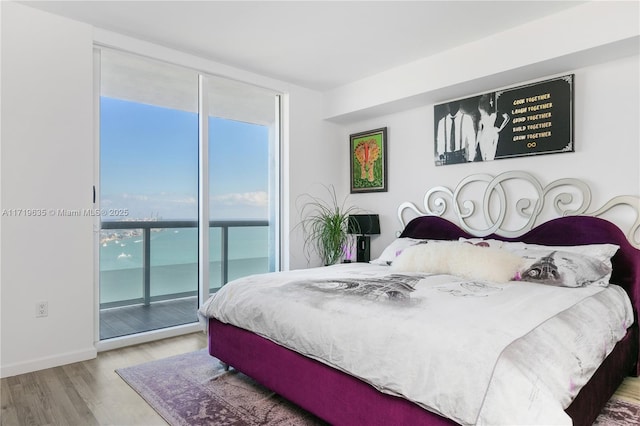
column 134, row 197
column 257, row 199
column 185, row 200
column 163, row 197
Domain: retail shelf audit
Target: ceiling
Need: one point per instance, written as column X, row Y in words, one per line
column 315, row 44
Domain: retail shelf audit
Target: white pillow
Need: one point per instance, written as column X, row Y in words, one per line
column 392, row 251
column 460, row 259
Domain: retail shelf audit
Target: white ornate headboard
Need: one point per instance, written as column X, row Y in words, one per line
column 516, row 192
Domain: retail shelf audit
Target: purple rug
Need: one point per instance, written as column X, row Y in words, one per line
column 193, row 389
column 619, row 412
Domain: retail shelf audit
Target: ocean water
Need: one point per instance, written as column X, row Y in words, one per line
column 174, row 261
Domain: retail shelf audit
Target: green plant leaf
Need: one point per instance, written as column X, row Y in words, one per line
column 324, row 225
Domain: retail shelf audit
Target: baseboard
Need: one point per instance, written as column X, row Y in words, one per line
column 47, row 362
column 78, row 356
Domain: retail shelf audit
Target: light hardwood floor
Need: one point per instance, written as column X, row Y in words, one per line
column 91, row 393
column 630, row 390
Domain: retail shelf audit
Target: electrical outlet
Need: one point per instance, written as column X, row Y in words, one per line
column 42, row 309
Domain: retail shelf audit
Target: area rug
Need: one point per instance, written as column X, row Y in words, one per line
column 194, row 389
column 619, row 412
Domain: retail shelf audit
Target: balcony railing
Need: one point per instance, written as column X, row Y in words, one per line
column 147, row 225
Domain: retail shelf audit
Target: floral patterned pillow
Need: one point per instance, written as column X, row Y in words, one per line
column 482, row 242
column 394, row 249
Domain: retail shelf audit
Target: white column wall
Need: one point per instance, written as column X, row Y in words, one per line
column 47, row 152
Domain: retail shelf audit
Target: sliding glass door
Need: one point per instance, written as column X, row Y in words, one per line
column 151, row 181
column 242, row 151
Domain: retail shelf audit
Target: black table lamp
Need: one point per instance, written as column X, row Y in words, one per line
column 363, row 225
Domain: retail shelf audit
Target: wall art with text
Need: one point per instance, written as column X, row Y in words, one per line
column 533, row 119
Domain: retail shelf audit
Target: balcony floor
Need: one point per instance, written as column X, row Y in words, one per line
column 126, row 320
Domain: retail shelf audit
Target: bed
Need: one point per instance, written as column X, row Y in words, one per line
column 372, row 370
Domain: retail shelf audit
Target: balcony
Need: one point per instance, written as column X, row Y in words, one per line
column 149, row 269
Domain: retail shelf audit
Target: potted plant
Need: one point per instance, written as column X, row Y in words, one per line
column 324, row 225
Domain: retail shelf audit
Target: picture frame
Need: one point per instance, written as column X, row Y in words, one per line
column 527, row 120
column 368, row 161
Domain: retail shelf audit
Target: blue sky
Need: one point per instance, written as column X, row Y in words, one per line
column 149, row 163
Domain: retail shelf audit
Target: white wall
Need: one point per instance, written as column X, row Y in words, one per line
column 47, row 161
column 47, row 151
column 314, row 147
column 576, row 37
column 606, row 153
column 605, row 62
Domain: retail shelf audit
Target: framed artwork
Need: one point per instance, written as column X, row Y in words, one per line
column 533, row 119
column 368, row 159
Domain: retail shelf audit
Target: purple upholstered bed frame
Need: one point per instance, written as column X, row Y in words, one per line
column 341, row 399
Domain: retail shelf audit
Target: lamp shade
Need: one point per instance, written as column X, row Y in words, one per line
column 364, row 224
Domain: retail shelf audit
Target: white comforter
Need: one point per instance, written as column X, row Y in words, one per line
column 475, row 352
